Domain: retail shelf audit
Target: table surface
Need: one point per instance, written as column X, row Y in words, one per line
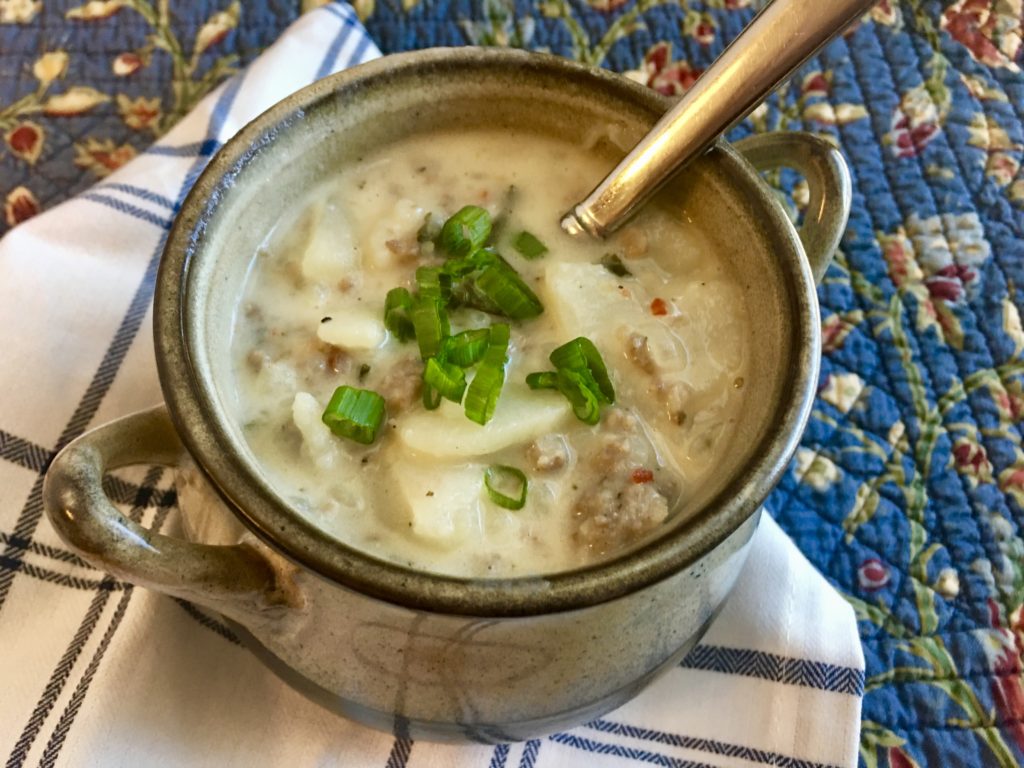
column 908, row 489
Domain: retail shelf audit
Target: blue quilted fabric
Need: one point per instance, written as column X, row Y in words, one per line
column 908, row 490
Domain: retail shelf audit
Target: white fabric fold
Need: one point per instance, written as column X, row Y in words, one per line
column 99, row 674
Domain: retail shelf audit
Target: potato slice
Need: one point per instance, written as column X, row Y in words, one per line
column 445, row 503
column 521, row 416
column 353, row 329
column 583, row 297
column 319, row 444
column 330, row 253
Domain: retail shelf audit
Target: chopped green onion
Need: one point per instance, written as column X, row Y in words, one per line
column 613, row 264
column 542, row 380
column 580, row 354
column 466, row 348
column 430, row 320
column 434, row 282
column 497, row 478
column 528, row 246
column 396, row 314
column 466, row 231
column 355, row 413
column 582, row 392
column 431, row 397
column 503, row 286
column 482, row 395
column 581, row 376
column 448, row 380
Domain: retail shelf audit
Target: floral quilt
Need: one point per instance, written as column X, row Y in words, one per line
column 908, row 489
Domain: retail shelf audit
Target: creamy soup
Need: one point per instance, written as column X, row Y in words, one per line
column 558, row 476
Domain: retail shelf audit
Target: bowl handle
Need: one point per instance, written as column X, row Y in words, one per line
column 234, row 580
column 827, row 177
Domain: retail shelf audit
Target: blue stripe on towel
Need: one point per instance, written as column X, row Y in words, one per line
column 142, row 194
column 703, row 745
column 347, row 29
column 778, row 669
column 128, row 209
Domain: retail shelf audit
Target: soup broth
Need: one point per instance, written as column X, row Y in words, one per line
column 667, row 317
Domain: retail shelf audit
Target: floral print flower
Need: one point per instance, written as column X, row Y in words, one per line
column 699, row 26
column 127, row 63
column 25, row 140
column 50, row 66
column 1002, row 168
column 971, row 461
column 815, row 83
column 873, row 574
column 842, row 390
column 20, row 205
column 980, row 89
column 1002, row 155
column 102, row 157
column 19, row 11
column 899, row 254
column 840, row 114
column 949, row 282
column 665, row 76
column 887, row 12
column 835, row 328
column 1009, row 399
column 989, row 29
column 1003, row 646
column 77, row 100
column 815, row 470
column 1011, row 482
column 915, row 122
column 898, row 758
column 139, row 114
column 216, row 28
column 95, row 10
column 947, row 583
column 948, row 239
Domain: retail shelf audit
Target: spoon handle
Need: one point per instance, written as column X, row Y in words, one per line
column 779, row 39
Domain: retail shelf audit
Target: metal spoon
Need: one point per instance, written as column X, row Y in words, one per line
column 784, row 35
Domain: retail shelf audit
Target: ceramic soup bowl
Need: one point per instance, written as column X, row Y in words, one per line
column 434, row 656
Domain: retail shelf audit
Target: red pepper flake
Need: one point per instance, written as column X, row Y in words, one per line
column 641, row 475
column 659, row 307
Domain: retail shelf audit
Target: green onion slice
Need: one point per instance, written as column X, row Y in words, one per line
column 396, row 314
column 499, row 478
column 503, row 286
column 466, row 231
column 430, row 321
column 355, row 413
column 431, row 397
column 528, row 246
column 448, row 380
column 434, row 282
column 482, row 394
column 582, row 392
column 542, row 380
column 466, row 348
column 580, row 354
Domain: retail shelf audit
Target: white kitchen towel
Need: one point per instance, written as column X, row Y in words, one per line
column 97, row 673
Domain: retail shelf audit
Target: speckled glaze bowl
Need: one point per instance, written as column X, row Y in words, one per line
column 425, row 655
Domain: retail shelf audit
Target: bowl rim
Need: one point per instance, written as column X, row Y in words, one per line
column 203, row 432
